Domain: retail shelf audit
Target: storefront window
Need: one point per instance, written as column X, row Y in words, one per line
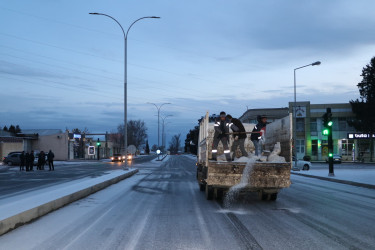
column 300, row 125
column 347, row 147
column 313, row 125
column 300, row 146
column 314, row 147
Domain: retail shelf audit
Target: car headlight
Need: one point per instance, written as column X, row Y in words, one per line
column 112, row 158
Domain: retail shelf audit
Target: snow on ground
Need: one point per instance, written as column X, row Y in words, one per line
column 19, row 203
column 366, row 176
column 161, row 157
column 193, row 157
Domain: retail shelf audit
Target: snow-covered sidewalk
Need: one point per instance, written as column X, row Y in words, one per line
column 20, row 209
column 364, row 176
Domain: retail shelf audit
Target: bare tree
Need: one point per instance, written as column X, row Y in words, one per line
column 137, row 133
column 175, row 144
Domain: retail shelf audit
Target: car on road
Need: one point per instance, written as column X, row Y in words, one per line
column 118, row 157
column 12, row 159
column 336, row 159
column 301, row 165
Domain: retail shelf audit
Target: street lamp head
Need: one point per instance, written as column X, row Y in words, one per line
column 155, row 17
column 94, row 13
column 316, row 63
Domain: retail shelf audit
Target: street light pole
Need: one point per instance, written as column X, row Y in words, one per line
column 125, row 78
column 162, row 133
column 158, row 108
column 294, row 110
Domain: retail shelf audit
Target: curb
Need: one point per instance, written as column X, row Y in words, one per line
column 27, row 216
column 352, row 183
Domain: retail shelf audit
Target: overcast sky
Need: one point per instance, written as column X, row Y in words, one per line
column 63, row 68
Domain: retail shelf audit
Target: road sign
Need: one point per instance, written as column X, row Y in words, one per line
column 91, row 150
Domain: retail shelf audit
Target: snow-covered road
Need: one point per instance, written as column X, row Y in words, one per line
column 162, row 208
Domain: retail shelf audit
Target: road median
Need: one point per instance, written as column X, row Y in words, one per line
column 22, row 209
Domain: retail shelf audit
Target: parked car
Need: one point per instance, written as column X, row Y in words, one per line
column 118, row 157
column 12, row 159
column 336, row 159
column 301, row 165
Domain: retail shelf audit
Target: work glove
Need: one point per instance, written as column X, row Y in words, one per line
column 236, row 138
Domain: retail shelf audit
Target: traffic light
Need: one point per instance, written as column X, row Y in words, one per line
column 325, row 132
column 98, row 143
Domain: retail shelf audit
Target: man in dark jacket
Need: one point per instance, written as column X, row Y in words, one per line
column 27, row 160
column 258, row 131
column 239, row 137
column 22, row 159
column 31, row 161
column 222, row 127
column 50, row 157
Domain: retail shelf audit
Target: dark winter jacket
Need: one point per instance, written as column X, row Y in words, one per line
column 22, row 158
column 241, row 129
column 222, row 128
column 258, row 128
column 50, row 156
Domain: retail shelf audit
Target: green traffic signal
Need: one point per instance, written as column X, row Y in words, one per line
column 325, row 131
column 330, row 155
column 330, row 123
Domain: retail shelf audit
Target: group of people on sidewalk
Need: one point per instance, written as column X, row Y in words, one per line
column 222, row 134
column 27, row 161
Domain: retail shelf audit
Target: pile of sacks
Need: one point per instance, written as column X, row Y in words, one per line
column 267, row 156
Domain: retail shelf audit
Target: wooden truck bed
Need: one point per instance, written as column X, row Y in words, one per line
column 264, row 175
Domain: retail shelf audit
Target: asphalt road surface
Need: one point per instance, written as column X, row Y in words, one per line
column 162, row 208
column 15, row 182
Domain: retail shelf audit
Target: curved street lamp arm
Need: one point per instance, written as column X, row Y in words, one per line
column 126, row 36
column 123, row 32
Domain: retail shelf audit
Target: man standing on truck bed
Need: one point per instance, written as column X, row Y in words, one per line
column 222, row 135
column 239, row 137
column 256, row 135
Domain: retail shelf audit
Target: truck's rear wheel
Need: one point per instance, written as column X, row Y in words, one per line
column 263, row 196
column 218, row 193
column 209, row 193
column 273, row 196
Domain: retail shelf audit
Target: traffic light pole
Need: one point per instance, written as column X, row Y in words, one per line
column 330, row 143
column 330, row 153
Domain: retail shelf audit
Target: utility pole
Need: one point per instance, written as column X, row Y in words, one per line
column 327, row 122
column 98, row 143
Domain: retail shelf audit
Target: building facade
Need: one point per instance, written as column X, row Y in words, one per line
column 309, row 126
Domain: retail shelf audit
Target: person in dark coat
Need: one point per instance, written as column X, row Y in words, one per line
column 27, row 160
column 22, row 159
column 31, row 162
column 41, row 160
column 239, row 137
column 50, row 157
column 256, row 136
column 222, row 127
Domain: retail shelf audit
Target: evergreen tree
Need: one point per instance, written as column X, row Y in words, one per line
column 364, row 108
column 147, row 151
column 12, row 129
column 5, row 128
column 18, row 129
